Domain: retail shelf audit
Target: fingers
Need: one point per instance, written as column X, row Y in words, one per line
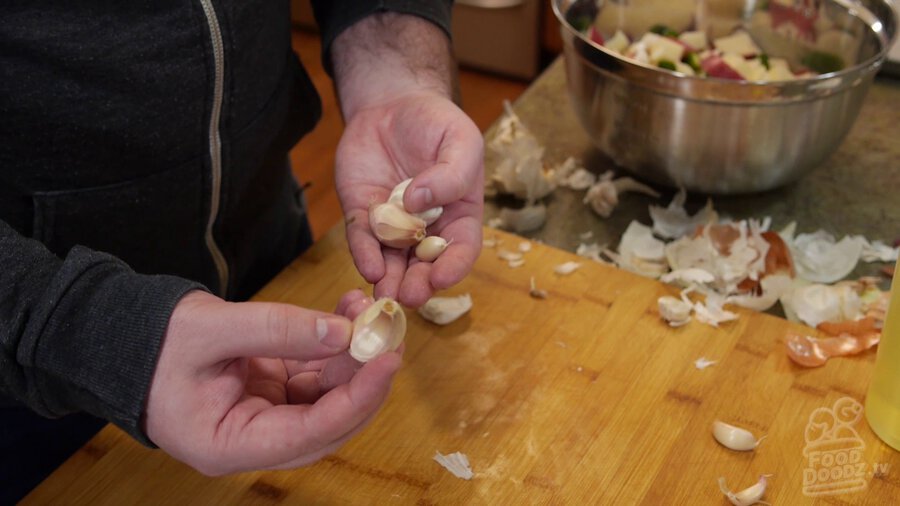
column 260, row 329
column 286, row 433
column 352, row 303
column 364, row 247
column 395, row 261
column 459, row 257
column 457, row 172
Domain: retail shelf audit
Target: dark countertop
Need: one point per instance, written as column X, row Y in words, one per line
column 857, row 191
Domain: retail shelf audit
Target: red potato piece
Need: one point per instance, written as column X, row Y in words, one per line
column 802, row 18
column 597, row 36
column 715, row 66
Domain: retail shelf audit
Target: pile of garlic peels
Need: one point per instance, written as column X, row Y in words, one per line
column 523, row 174
column 744, row 263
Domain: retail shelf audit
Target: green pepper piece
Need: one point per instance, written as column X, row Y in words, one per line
column 581, row 23
column 663, row 30
column 666, row 64
column 822, row 62
column 764, row 59
column 693, row 60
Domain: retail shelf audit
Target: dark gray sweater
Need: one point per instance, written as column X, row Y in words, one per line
column 142, row 155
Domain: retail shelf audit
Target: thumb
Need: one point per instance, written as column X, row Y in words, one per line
column 271, row 330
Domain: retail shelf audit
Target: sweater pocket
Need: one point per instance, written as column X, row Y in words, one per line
column 155, row 223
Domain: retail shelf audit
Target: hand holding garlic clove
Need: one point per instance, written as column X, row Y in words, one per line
column 393, row 226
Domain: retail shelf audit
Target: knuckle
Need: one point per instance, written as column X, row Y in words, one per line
column 278, row 325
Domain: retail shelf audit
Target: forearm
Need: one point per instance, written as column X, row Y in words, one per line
column 80, row 333
column 388, row 55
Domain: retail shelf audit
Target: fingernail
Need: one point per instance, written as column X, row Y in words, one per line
column 424, row 195
column 333, row 333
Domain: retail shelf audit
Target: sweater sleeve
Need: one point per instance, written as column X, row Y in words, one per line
column 334, row 16
column 81, row 333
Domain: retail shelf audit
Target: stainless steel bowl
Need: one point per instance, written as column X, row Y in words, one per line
column 717, row 135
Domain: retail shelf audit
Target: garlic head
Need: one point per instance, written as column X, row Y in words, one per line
column 734, row 438
column 430, row 248
column 395, row 227
column 377, row 330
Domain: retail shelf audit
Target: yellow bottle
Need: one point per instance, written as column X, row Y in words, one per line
column 883, row 399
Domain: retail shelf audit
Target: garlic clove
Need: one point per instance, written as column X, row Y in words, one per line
column 748, row 496
column 430, row 248
column 394, row 227
column 429, row 216
column 675, row 311
column 445, row 310
column 734, row 438
column 377, row 330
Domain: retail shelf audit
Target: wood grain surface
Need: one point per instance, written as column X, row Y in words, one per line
column 585, row 397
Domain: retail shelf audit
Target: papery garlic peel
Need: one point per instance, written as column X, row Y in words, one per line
column 430, row 248
column 734, row 438
column 429, row 216
column 395, row 227
column 377, row 330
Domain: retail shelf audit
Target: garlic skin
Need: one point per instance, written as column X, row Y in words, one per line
column 377, row 330
column 734, row 438
column 430, row 248
column 748, row 496
column 429, row 216
column 394, row 227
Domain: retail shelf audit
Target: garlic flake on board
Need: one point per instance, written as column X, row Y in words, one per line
column 457, row 463
column 431, row 247
column 566, row 268
column 379, row 329
column 535, row 292
column 734, row 438
column 395, row 227
column 748, row 496
column 445, row 310
column 703, row 362
column 429, row 216
column 673, row 221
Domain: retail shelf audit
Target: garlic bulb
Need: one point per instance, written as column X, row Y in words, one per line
column 734, row 438
column 379, row 329
column 429, row 216
column 748, row 496
column 430, row 248
column 395, row 227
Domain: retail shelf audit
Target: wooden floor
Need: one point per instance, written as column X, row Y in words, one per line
column 313, row 157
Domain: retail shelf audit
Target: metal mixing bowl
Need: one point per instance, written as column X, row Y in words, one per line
column 718, row 135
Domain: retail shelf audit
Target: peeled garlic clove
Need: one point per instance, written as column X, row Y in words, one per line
column 746, row 497
column 379, row 329
column 430, row 248
column 445, row 310
column 429, row 216
column 734, row 438
column 395, row 227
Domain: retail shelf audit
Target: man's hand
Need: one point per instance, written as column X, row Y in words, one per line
column 244, row 386
column 394, row 78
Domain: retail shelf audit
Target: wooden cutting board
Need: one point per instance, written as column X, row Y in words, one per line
column 585, row 397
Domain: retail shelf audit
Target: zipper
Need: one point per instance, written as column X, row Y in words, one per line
column 215, row 144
